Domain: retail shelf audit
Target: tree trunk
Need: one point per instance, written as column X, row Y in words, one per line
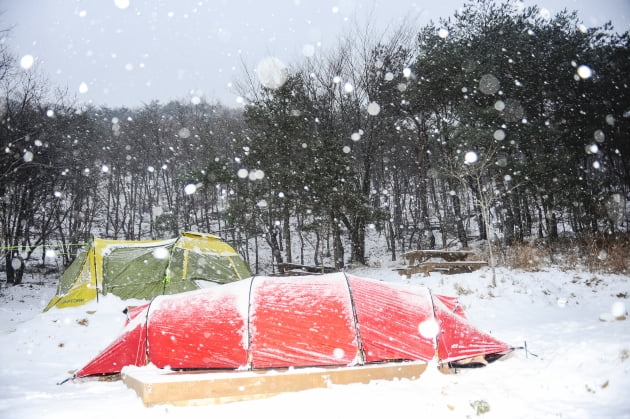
column 553, row 224
column 338, row 251
column 459, row 222
column 317, row 244
column 479, row 210
column 256, row 259
column 357, row 237
column 286, row 227
column 529, row 225
column 540, row 223
column 358, row 241
column 14, row 267
column 508, row 230
column 392, row 240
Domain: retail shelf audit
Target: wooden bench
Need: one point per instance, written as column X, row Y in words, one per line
column 446, row 267
column 447, row 261
column 289, row 269
column 418, row 256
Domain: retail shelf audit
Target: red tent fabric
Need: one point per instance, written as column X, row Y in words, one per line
column 274, row 322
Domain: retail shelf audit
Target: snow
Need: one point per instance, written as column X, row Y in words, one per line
column 577, row 364
column 272, row 73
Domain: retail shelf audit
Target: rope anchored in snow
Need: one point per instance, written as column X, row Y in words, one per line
column 527, row 352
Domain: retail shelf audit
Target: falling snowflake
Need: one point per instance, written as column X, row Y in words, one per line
column 489, row 84
column 374, row 108
column 429, row 329
column 599, row 136
column 584, row 72
column 16, row 263
column 339, row 353
column 471, row 157
column 183, row 133
column 50, row 253
column 161, row 253
column 122, row 4
column 499, row 135
column 27, row 62
column 272, row 73
column 592, row 149
column 190, row 189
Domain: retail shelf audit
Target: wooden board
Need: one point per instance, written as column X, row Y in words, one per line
column 155, row 386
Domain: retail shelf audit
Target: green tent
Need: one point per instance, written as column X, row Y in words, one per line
column 146, row 268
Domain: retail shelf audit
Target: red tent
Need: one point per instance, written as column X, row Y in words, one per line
column 273, row 322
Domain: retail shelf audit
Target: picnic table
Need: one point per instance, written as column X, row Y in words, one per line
column 443, row 260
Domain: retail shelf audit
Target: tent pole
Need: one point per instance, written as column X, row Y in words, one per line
column 95, row 267
column 249, row 325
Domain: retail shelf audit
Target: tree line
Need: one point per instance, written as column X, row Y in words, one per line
column 499, row 123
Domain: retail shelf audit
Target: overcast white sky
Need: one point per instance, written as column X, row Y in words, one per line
column 129, row 52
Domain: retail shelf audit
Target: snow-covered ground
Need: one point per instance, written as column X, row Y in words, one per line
column 581, row 368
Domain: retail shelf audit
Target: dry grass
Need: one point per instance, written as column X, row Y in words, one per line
column 596, row 253
column 609, row 254
column 526, row 256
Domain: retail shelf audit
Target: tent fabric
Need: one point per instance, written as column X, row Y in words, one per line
column 275, row 322
column 147, row 268
column 301, row 322
column 388, row 320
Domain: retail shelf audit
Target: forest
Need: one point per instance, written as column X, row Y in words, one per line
column 496, row 125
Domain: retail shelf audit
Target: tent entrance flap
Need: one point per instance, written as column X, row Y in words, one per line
column 77, row 285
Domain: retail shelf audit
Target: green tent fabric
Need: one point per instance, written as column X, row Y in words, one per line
column 136, row 273
column 145, row 269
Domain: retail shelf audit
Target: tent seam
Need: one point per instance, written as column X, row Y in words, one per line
column 356, row 322
column 250, row 361
column 435, row 318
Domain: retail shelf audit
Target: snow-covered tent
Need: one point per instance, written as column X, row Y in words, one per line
column 143, row 269
column 274, row 322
